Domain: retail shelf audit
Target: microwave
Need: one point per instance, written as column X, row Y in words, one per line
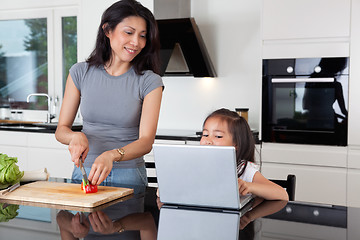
column 305, row 101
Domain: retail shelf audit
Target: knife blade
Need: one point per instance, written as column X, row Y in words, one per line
column 10, row 189
column 83, row 171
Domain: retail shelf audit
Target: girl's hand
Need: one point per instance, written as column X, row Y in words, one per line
column 244, row 187
column 78, row 147
column 101, row 167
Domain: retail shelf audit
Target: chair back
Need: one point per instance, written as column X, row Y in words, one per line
column 288, row 184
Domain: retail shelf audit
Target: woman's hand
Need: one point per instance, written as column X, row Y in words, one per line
column 78, row 147
column 72, row 226
column 101, row 223
column 102, row 167
column 80, row 228
column 244, row 187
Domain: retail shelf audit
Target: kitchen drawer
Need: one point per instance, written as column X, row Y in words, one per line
column 313, row 183
column 16, row 151
column 13, row 138
column 353, row 186
column 283, row 19
column 58, row 162
column 354, row 158
column 302, row 154
column 44, row 140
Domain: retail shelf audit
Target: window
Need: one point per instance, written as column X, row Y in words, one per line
column 69, row 45
column 37, row 48
column 24, row 64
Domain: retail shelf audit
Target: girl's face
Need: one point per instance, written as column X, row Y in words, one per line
column 215, row 132
column 128, row 38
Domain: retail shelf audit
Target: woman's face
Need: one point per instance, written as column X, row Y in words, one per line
column 128, row 38
column 215, row 132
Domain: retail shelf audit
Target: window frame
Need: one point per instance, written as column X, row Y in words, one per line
column 54, row 17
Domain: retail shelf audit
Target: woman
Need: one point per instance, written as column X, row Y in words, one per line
column 119, row 94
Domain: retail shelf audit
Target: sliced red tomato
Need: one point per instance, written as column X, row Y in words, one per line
column 89, row 188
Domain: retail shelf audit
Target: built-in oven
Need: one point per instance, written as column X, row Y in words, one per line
column 305, row 101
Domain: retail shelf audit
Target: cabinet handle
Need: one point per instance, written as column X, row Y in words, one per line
column 295, row 80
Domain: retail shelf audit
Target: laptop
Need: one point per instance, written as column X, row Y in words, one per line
column 196, row 175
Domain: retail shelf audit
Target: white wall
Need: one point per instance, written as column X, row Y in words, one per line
column 231, row 31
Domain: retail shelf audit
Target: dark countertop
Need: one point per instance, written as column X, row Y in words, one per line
column 140, row 213
column 163, row 134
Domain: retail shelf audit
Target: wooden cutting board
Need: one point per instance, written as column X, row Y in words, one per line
column 69, row 194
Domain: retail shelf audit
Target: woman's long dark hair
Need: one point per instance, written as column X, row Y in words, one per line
column 241, row 133
column 148, row 58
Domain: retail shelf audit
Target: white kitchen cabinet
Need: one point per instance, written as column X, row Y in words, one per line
column 309, row 28
column 36, row 151
column 353, row 176
column 321, row 171
column 291, row 19
column 304, row 154
column 44, row 140
column 13, row 144
column 354, row 85
column 16, row 151
column 8, row 138
column 57, row 162
column 44, row 151
column 353, row 192
column 313, row 183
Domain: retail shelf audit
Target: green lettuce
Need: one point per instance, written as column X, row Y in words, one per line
column 8, row 212
column 9, row 171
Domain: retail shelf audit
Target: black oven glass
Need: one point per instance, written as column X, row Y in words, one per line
column 305, row 101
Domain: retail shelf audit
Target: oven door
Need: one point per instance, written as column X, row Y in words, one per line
column 305, row 110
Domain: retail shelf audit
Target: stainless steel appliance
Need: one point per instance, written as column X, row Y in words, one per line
column 305, row 101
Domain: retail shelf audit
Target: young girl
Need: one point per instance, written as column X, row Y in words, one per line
column 226, row 128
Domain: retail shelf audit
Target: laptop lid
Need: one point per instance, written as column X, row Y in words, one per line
column 195, row 175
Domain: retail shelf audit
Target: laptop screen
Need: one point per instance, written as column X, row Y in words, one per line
column 195, row 175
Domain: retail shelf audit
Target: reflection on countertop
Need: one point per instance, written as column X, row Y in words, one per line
column 143, row 213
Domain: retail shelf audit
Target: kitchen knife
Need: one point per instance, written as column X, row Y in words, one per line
column 86, row 181
column 10, row 189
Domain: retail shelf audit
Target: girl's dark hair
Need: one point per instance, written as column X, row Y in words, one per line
column 148, row 58
column 241, row 133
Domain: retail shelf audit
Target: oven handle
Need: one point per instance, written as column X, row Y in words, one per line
column 295, row 80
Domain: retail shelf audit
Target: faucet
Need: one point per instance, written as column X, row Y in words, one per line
column 49, row 116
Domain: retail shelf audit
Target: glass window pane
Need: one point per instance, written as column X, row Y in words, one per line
column 23, row 62
column 69, row 33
